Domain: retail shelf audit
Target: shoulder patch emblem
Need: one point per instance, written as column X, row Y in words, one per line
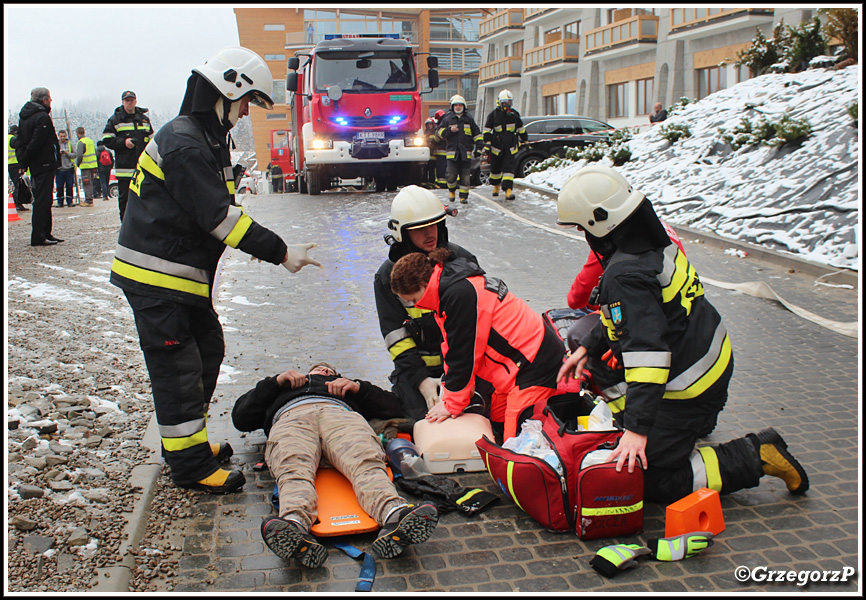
column 617, row 316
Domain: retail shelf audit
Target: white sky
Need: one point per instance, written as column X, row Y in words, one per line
column 96, row 51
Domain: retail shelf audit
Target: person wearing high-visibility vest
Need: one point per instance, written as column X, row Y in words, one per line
column 64, row 181
column 86, row 161
column 13, row 168
column 127, row 132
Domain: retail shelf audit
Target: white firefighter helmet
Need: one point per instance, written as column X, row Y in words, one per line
column 505, row 96
column 236, row 72
column 414, row 207
column 457, row 99
column 598, row 199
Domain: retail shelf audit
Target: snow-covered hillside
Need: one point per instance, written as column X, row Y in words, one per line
column 802, row 200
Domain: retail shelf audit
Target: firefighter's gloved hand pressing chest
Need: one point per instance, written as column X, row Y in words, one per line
column 296, row 257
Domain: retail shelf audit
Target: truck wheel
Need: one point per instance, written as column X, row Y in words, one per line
column 381, row 184
column 314, row 183
column 302, row 184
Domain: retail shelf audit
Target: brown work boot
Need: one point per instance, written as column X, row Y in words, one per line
column 778, row 462
column 286, row 539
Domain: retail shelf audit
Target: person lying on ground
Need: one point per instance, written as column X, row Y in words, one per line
column 324, row 415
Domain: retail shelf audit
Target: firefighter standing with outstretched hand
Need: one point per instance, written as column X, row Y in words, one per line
column 180, row 218
column 461, row 135
column 503, row 134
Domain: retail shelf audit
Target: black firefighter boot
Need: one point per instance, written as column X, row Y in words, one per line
column 778, row 462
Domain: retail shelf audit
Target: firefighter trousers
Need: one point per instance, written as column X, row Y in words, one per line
column 502, row 167
column 183, row 348
column 458, row 167
column 676, row 468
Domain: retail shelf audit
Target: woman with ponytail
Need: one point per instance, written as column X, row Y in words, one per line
column 488, row 333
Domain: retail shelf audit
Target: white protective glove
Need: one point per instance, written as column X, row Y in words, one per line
column 429, row 388
column 297, row 257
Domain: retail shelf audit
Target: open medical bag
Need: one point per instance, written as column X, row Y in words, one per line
column 586, row 496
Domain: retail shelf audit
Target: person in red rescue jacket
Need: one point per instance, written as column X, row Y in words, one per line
column 488, row 332
column 587, row 279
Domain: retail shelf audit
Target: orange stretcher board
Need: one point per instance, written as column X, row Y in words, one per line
column 339, row 511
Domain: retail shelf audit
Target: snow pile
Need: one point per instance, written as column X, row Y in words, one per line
column 801, row 199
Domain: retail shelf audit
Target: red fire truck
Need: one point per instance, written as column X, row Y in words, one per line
column 281, row 155
column 356, row 112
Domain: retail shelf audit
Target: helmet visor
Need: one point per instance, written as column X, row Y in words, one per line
column 426, row 223
column 261, row 100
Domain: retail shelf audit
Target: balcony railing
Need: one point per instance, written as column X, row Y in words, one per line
column 642, row 28
column 500, row 69
column 562, row 51
column 510, row 18
column 684, row 18
column 531, row 13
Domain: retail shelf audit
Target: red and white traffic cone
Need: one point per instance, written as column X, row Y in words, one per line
column 13, row 213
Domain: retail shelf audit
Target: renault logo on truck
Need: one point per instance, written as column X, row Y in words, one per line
column 368, row 113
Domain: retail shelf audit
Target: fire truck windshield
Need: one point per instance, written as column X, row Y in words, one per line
column 365, row 71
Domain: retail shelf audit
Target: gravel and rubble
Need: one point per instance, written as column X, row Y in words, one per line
column 78, row 405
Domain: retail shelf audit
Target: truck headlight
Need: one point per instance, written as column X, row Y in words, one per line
column 318, row 144
column 415, row 141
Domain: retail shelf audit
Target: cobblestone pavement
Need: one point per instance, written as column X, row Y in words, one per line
column 791, row 374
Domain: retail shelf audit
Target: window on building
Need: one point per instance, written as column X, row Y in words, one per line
column 571, row 103
column 456, row 26
column 551, row 105
column 279, row 91
column 272, row 116
column 275, row 27
column 571, row 31
column 644, row 96
column 616, row 100
column 709, row 80
column 275, row 57
column 742, row 73
column 517, row 49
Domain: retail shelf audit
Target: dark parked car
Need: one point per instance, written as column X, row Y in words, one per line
column 549, row 136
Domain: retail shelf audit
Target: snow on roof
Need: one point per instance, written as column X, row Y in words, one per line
column 801, row 200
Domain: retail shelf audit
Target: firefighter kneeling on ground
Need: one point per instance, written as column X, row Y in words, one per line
column 503, row 134
column 180, row 217
column 672, row 344
column 461, row 134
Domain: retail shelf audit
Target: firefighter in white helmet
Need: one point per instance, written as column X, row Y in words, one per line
column 503, row 135
column 180, row 217
column 672, row 344
column 462, row 139
column 412, row 337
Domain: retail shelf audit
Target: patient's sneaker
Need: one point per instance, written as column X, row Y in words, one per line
column 287, row 540
column 411, row 524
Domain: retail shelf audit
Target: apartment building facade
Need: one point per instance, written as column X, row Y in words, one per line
column 450, row 34
column 613, row 64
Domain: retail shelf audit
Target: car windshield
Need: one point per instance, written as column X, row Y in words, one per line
column 365, row 71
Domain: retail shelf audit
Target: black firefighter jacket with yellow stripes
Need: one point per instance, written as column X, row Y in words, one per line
column 180, row 217
column 459, row 144
column 504, row 131
column 669, row 338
